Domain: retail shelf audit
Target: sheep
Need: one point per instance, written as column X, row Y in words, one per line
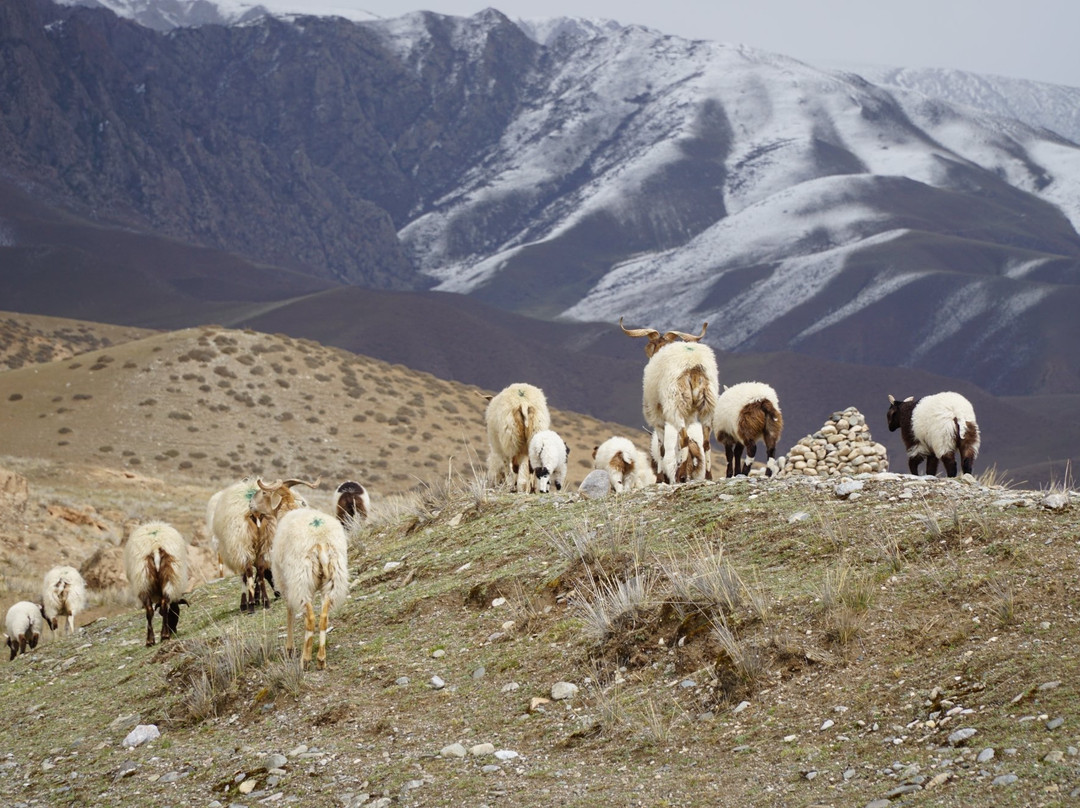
column 243, row 525
column 512, row 417
column 936, row 427
column 351, row 503
column 63, row 594
column 309, row 555
column 156, row 562
column 680, row 387
column 548, row 454
column 627, row 466
column 23, row 626
column 745, row 413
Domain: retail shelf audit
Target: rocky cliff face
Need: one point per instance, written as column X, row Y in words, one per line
column 303, row 144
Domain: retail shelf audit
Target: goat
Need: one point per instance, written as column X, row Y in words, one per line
column 548, row 454
column 512, row 417
column 745, row 413
column 156, row 562
column 243, row 536
column 23, row 626
column 351, row 503
column 679, row 388
column 627, row 466
column 63, row 594
column 309, row 555
column 936, row 427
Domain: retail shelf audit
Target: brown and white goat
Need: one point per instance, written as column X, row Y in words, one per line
column 679, row 392
column 512, row 417
column 351, row 503
column 936, row 427
column 746, row 413
column 156, row 562
column 22, row 624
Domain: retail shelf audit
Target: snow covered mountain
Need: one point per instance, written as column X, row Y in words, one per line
column 592, row 171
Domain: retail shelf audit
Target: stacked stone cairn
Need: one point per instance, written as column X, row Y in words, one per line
column 842, row 447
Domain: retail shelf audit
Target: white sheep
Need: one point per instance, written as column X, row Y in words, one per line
column 63, row 594
column 156, row 562
column 627, row 466
column 309, row 555
column 548, row 454
column 23, row 626
column 512, row 417
column 680, row 387
column 745, row 413
column 936, row 427
column 243, row 522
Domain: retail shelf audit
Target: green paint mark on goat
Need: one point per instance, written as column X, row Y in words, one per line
column 249, row 494
column 316, row 522
column 521, row 392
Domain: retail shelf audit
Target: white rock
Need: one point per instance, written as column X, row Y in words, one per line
column 563, row 690
column 482, row 749
column 143, row 733
column 437, row 682
column 506, row 754
column 453, row 750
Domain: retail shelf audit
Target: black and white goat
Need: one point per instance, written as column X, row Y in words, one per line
column 936, row 428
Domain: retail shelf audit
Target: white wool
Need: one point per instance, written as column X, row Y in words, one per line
column 63, row 594
column 934, row 422
column 733, row 399
column 547, row 450
column 230, row 527
column 23, row 620
column 666, row 396
column 619, row 453
column 512, row 417
column 146, row 544
column 309, row 555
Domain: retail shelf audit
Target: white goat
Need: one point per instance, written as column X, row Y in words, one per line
column 512, row 417
column 215, row 543
column 309, row 555
column 936, row 427
column 745, row 413
column 156, row 562
column 548, row 454
column 680, row 387
column 23, row 626
column 243, row 525
column 63, row 594
column 627, row 466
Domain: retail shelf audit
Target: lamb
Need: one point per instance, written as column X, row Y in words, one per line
column 23, row 626
column 548, row 454
column 627, row 466
column 351, row 503
column 680, row 388
column 512, row 417
column 936, row 427
column 63, row 594
column 745, row 413
column 243, row 524
column 309, row 555
column 156, row 562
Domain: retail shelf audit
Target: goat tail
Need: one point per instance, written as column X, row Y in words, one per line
column 696, row 395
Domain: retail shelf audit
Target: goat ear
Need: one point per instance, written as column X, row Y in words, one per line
column 891, row 399
column 909, row 399
column 568, row 450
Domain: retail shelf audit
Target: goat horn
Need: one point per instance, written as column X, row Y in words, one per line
column 292, row 482
column 272, row 487
column 671, row 335
column 638, row 332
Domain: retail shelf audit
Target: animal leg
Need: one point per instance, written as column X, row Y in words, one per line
column 729, row 455
column 738, row 460
column 913, row 464
column 949, row 462
column 320, row 660
column 309, row 634
column 164, row 609
column 671, row 452
column 290, row 650
column 149, row 623
column 967, row 462
column 931, row 466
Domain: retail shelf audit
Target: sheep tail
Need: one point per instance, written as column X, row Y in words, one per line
column 695, row 394
column 774, row 423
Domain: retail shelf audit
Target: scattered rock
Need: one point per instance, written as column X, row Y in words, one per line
column 563, row 690
column 275, row 761
column 1054, row 723
column 482, row 749
column 1005, row 779
column 1056, row 502
column 455, row 750
column 143, row 733
column 596, row 485
column 127, row 722
column 961, row 736
column 506, row 754
column 437, row 682
column 985, row 756
column 848, row 487
column 878, row 804
column 536, row 702
column 1054, row 756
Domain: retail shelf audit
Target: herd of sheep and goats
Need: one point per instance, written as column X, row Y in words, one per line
column 268, row 534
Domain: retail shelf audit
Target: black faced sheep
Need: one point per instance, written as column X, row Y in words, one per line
column 309, row 556
column 936, row 428
column 156, row 562
column 746, row 413
column 679, row 389
column 63, row 594
column 351, row 504
column 23, row 626
column 548, row 454
column 512, row 417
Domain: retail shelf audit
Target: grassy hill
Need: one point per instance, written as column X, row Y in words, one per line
column 745, row 643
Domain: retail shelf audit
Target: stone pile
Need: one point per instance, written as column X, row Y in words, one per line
column 842, row 447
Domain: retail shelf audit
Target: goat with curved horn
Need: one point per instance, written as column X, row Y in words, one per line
column 658, row 340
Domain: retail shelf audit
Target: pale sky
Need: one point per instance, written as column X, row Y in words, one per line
column 1033, row 39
